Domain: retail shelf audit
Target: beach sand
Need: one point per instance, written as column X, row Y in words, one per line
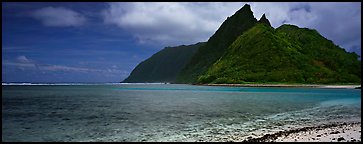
column 343, row 132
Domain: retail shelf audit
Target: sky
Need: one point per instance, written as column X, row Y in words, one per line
column 103, row 42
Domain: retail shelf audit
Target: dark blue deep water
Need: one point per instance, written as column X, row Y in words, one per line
column 159, row 112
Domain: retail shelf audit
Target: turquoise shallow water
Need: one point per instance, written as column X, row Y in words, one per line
column 159, row 112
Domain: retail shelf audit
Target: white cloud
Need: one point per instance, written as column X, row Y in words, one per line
column 24, row 63
column 340, row 22
column 114, row 66
column 23, row 59
column 337, row 21
column 59, row 17
column 169, row 23
column 21, row 62
column 19, row 65
column 281, row 12
column 186, row 23
column 63, row 68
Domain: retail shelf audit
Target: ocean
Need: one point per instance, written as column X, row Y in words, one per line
column 166, row 112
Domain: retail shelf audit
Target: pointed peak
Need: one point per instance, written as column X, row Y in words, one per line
column 246, row 7
column 244, row 13
column 263, row 19
column 263, row 16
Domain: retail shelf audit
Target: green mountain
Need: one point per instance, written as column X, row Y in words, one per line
column 245, row 50
column 287, row 54
column 230, row 29
column 164, row 65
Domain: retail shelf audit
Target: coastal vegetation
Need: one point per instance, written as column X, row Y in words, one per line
column 287, row 54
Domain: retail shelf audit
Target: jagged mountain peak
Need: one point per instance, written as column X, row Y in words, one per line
column 246, row 7
column 244, row 11
column 230, row 29
column 263, row 19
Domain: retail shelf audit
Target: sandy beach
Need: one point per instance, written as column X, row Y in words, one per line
column 343, row 132
column 287, row 85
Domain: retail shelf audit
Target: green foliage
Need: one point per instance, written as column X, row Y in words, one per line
column 230, row 29
column 287, row 55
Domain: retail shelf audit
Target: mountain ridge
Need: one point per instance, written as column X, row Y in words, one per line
column 229, row 30
column 245, row 50
column 164, row 65
column 264, row 54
